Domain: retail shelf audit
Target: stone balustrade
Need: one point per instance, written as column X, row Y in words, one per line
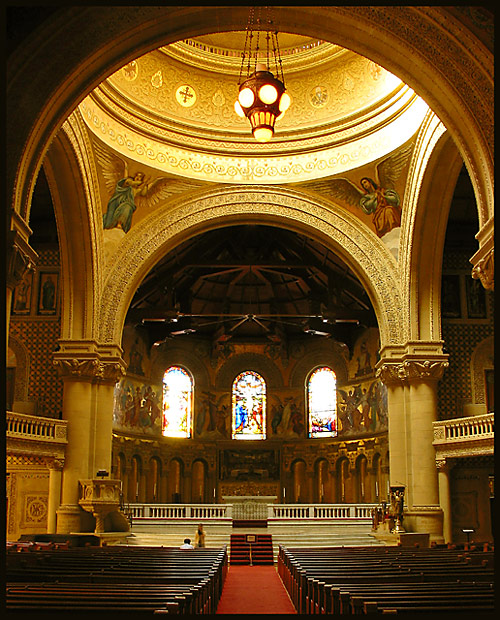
column 272, row 511
column 462, row 429
column 24, row 426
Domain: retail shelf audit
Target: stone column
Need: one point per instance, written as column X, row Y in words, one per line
column 55, row 476
column 443, row 467
column 412, row 385
column 89, row 373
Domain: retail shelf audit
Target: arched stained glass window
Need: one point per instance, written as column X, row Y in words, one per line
column 322, row 401
column 177, row 403
column 249, row 406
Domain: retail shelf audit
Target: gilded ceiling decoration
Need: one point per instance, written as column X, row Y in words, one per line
column 173, row 109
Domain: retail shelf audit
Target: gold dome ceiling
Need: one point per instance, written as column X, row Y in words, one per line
column 172, row 109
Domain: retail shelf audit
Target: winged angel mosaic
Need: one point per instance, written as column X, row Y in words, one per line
column 376, row 197
column 128, row 190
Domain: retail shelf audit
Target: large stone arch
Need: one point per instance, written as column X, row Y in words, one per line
column 72, row 191
column 436, row 164
column 336, row 228
column 435, row 50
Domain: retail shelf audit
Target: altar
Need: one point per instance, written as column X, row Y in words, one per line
column 250, row 507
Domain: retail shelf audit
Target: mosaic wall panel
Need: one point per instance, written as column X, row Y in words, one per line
column 44, row 385
column 455, row 390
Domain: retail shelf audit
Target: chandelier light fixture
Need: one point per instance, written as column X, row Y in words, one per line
column 262, row 96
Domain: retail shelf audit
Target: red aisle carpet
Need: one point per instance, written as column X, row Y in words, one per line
column 254, row 590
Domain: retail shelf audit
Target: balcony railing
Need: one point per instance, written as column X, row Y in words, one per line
column 24, row 426
column 464, row 429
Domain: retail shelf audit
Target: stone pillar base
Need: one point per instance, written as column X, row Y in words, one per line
column 425, row 520
column 68, row 519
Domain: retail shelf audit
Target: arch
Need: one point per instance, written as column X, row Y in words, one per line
column 22, row 357
column 174, row 481
column 363, row 490
column 322, row 481
column 457, row 83
column 153, row 479
column 163, row 357
column 69, row 179
column 482, row 359
column 322, row 353
column 344, row 491
column 336, row 228
column 199, row 491
column 299, row 482
column 242, row 361
column 430, row 188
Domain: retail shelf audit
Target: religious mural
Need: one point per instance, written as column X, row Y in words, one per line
column 137, row 407
column 129, row 190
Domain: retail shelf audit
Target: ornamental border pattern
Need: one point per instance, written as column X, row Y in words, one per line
column 142, row 246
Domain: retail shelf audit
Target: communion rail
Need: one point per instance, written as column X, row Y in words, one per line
column 219, row 512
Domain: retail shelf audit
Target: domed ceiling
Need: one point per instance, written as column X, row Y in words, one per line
column 173, row 109
column 171, row 112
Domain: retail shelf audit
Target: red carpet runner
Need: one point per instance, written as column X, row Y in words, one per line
column 254, row 590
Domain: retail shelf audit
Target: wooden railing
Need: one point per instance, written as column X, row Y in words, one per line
column 24, row 426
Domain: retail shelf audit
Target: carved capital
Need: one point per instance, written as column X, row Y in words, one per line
column 483, row 259
column 55, row 463
column 484, row 270
column 21, row 259
column 411, row 370
column 88, row 361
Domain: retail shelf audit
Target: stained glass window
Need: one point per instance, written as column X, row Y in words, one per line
column 249, row 406
column 177, row 403
column 322, row 400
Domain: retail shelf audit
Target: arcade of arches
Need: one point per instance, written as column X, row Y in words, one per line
column 149, row 231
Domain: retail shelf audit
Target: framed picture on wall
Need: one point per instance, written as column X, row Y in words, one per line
column 476, row 299
column 450, row 297
column 21, row 302
column 48, row 285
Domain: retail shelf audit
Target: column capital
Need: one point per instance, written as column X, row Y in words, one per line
column 416, row 360
column 483, row 263
column 411, row 370
column 21, row 258
column 86, row 360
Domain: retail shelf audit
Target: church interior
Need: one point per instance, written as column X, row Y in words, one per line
column 202, row 321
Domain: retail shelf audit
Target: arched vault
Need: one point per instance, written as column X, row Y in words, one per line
column 337, row 229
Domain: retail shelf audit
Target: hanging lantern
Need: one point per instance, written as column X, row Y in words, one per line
column 262, row 97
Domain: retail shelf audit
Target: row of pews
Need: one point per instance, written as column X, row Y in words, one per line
column 151, row 580
column 389, row 579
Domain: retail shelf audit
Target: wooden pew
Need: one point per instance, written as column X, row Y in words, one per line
column 162, row 580
column 324, row 580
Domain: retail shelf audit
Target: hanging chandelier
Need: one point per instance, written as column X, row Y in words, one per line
column 262, row 96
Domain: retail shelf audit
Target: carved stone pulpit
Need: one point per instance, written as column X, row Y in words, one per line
column 99, row 497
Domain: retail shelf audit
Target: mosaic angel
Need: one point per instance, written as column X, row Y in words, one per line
column 128, row 191
column 376, row 196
